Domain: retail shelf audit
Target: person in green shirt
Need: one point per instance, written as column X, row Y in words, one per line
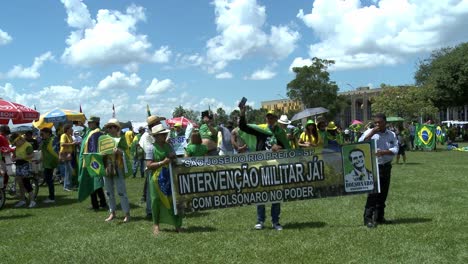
column 195, row 148
column 209, row 133
column 50, row 161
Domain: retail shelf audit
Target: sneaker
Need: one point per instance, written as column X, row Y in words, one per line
column 32, row 204
column 20, row 204
column 47, row 201
column 277, row 226
column 259, row 226
column 67, row 190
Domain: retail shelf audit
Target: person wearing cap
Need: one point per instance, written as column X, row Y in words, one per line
column 92, row 186
column 146, row 142
column 334, row 137
column 161, row 198
column 177, row 131
column 309, row 138
column 209, row 133
column 272, row 138
column 138, row 154
column 23, row 155
column 116, row 169
column 50, row 161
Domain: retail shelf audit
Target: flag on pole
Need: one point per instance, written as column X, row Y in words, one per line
column 148, row 110
column 425, row 138
column 35, row 107
column 81, row 110
column 113, row 111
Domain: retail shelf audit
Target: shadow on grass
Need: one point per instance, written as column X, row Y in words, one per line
column 199, row 229
column 302, row 225
column 413, row 220
column 196, row 214
column 408, row 164
column 13, row 217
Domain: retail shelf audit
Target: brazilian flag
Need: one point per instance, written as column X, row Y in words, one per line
column 425, row 137
column 161, row 198
column 94, row 164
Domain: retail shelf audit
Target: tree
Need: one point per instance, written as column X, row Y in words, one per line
column 408, row 102
column 178, row 111
column 312, row 86
column 221, row 116
column 445, row 75
column 193, row 115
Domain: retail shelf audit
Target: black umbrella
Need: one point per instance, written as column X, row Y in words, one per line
column 309, row 112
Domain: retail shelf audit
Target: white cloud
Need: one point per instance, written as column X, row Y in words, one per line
column 358, row 36
column 158, row 87
column 224, row 75
column 4, row 38
column 84, row 75
column 32, row 72
column 300, row 62
column 241, row 24
column 119, row 80
column 111, row 38
column 263, row 74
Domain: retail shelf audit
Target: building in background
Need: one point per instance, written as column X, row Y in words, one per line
column 282, row 105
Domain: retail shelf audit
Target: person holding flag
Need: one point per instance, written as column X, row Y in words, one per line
column 91, row 185
column 117, row 167
column 160, row 185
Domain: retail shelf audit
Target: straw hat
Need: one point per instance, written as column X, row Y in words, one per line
column 159, row 129
column 152, row 120
column 284, row 120
column 113, row 122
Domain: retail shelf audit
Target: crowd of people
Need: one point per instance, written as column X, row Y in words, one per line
column 149, row 153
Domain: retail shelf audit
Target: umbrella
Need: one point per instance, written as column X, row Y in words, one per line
column 395, row 119
column 183, row 120
column 62, row 115
column 309, row 112
column 356, row 122
column 40, row 124
column 17, row 113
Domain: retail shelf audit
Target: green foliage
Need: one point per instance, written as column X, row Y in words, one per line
column 190, row 114
column 409, row 102
column 313, row 87
column 427, row 202
column 221, row 116
column 445, row 75
column 178, row 111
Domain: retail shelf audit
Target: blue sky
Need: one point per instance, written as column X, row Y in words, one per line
column 208, row 53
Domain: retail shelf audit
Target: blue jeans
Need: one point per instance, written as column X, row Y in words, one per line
column 119, row 182
column 66, row 172
column 139, row 163
column 275, row 213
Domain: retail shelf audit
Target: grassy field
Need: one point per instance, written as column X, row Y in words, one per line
column 428, row 202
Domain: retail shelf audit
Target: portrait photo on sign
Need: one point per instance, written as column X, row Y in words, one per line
column 358, row 168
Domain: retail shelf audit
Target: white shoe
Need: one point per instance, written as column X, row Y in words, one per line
column 47, row 201
column 20, row 204
column 32, row 204
column 259, row 226
column 277, row 226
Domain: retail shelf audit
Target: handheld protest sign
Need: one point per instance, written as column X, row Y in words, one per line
column 107, row 145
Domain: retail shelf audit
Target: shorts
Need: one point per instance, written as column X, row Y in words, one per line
column 401, row 149
column 23, row 170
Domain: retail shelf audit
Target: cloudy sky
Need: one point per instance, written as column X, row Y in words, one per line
column 67, row 53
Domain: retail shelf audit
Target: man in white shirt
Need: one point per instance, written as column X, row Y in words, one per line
column 387, row 148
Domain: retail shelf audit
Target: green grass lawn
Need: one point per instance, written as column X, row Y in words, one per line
column 428, row 202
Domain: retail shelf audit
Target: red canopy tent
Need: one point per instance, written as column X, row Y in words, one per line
column 17, row 113
column 183, row 120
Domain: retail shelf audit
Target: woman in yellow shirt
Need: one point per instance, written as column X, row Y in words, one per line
column 309, row 138
column 23, row 155
column 67, row 146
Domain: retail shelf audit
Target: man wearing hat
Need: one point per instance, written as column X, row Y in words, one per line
column 146, row 142
column 209, row 133
column 334, row 137
column 271, row 138
column 90, row 185
column 283, row 122
column 177, row 131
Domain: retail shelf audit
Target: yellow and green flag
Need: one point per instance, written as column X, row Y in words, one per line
column 425, row 137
